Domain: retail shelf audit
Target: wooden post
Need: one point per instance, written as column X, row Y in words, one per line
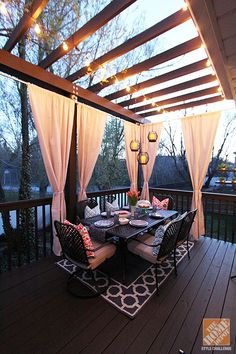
column 70, row 189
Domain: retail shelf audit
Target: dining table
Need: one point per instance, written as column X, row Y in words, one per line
column 121, row 234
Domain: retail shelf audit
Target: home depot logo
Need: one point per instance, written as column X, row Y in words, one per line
column 216, row 332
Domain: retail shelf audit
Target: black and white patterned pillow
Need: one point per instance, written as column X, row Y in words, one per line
column 90, row 213
column 159, row 234
column 112, row 206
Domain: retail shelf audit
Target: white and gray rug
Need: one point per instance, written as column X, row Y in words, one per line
column 130, row 298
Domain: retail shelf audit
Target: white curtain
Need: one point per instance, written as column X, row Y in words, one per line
column 151, row 148
column 53, row 116
column 131, row 132
column 199, row 135
column 90, row 130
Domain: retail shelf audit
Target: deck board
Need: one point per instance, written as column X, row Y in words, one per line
column 37, row 315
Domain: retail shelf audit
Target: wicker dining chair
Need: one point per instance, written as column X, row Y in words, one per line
column 73, row 249
column 143, row 246
column 185, row 229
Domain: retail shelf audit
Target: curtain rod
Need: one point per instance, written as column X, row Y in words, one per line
column 14, row 78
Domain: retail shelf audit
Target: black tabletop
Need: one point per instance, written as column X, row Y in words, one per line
column 127, row 231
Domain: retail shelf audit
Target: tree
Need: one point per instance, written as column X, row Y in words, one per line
column 221, row 154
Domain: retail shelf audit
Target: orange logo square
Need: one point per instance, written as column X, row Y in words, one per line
column 216, row 332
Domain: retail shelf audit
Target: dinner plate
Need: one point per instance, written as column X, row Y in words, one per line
column 156, row 215
column 138, row 223
column 104, row 213
column 104, row 223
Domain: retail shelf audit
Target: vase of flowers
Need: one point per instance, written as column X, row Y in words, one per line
column 133, row 197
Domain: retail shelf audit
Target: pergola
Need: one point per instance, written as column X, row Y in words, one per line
column 212, row 35
column 212, row 20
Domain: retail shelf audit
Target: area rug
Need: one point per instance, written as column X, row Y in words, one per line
column 130, row 298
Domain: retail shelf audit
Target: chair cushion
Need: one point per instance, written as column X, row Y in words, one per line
column 103, row 252
column 142, row 250
column 112, row 206
column 90, row 213
column 159, row 234
column 160, row 204
column 85, row 236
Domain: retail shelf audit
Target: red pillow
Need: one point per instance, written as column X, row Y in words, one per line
column 86, row 238
column 160, row 204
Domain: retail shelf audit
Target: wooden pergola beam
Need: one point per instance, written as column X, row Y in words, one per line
column 161, row 27
column 175, row 88
column 104, row 16
column 181, row 98
column 158, row 59
column 26, row 71
column 185, row 106
column 174, row 74
column 25, row 23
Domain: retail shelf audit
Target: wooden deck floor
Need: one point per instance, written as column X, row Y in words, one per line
column 37, row 315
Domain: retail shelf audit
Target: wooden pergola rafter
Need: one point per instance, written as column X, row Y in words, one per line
column 104, row 16
column 158, row 59
column 183, row 97
column 25, row 23
column 171, row 89
column 38, row 74
column 165, row 25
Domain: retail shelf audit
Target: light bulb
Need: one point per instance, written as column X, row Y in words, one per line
column 65, row 46
column 37, row 29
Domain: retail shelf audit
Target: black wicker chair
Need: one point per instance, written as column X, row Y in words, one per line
column 73, row 249
column 143, row 246
column 185, row 229
column 80, row 208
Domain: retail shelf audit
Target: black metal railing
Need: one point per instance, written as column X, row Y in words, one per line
column 28, row 235
column 219, row 211
column 26, row 232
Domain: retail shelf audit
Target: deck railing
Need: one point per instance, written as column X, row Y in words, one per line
column 28, row 237
column 25, row 233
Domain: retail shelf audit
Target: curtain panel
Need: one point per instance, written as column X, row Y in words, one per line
column 53, row 117
column 151, row 148
column 131, row 132
column 199, row 134
column 90, row 129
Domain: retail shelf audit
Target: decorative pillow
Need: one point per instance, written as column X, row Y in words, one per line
column 85, row 236
column 160, row 204
column 159, row 234
column 90, row 213
column 112, row 206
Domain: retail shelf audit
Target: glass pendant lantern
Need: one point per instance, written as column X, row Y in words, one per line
column 152, row 137
column 143, row 158
column 134, row 145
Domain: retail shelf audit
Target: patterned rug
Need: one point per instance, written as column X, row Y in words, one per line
column 130, row 298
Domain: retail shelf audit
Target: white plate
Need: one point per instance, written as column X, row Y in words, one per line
column 138, row 223
column 122, row 213
column 104, row 213
column 103, row 223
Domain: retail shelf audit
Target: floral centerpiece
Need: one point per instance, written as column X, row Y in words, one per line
column 133, row 197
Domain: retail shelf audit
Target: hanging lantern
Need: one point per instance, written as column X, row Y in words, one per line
column 134, row 145
column 143, row 158
column 152, row 137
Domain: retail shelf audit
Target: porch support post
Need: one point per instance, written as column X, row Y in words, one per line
column 70, row 189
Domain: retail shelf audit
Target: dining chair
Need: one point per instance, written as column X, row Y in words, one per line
column 143, row 246
column 185, row 229
column 74, row 250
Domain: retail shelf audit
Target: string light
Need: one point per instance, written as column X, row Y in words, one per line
column 208, row 63
column 185, row 7
column 37, row 29
column 3, row 8
column 87, row 63
column 116, row 81
column 128, row 89
column 65, row 46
